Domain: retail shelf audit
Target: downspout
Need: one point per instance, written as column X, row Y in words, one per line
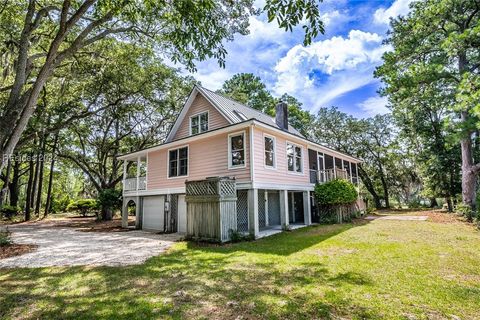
column 252, row 158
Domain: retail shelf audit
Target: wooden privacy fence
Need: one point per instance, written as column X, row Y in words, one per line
column 338, row 213
column 211, row 209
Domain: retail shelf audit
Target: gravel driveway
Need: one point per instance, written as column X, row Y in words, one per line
column 68, row 247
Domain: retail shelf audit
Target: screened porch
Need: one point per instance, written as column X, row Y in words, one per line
column 324, row 167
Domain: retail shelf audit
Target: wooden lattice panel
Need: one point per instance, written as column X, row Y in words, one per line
column 242, row 211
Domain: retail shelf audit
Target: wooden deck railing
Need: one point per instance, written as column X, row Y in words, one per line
column 322, row 176
column 133, row 184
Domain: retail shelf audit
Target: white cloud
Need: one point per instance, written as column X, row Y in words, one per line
column 335, row 54
column 399, row 7
column 317, row 74
column 257, row 52
column 213, row 80
column 374, row 105
column 344, row 64
column 329, row 18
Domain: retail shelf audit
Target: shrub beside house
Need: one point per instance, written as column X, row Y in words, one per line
column 336, row 200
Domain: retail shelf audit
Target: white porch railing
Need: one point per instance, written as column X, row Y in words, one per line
column 322, row 176
column 133, row 184
column 342, row 174
column 142, row 183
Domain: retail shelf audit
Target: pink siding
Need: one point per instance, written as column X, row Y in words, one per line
column 207, row 157
column 280, row 174
column 200, row 104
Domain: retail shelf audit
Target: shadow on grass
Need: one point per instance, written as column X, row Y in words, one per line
column 254, row 279
column 284, row 243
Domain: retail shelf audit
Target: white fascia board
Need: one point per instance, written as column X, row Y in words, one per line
column 182, row 114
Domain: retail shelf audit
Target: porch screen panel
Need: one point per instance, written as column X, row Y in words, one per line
column 312, row 165
column 312, row 159
column 320, row 161
column 242, row 211
column 321, row 168
column 328, row 162
column 338, row 163
column 274, row 208
column 261, row 209
column 354, row 173
column 346, row 167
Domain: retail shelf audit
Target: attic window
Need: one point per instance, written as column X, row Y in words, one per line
column 199, row 123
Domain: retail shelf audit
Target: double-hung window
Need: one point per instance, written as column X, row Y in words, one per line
column 236, row 150
column 199, row 123
column 178, row 162
column 269, row 151
column 294, row 158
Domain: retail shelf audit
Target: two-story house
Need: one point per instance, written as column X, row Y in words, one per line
column 275, row 166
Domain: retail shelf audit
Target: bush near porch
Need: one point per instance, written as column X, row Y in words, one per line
column 336, row 199
column 83, row 206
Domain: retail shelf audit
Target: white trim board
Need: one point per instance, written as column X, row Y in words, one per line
column 154, row 192
column 277, row 186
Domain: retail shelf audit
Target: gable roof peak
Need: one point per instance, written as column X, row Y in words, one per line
column 237, row 112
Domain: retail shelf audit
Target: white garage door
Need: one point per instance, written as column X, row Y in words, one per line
column 153, row 213
column 182, row 214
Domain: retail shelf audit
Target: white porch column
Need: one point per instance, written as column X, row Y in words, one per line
column 124, row 214
column 307, row 217
column 334, row 169
column 253, row 212
column 356, row 171
column 138, row 213
column 284, row 216
column 350, row 172
column 139, row 161
column 124, row 173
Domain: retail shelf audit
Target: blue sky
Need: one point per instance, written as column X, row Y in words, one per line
column 335, row 70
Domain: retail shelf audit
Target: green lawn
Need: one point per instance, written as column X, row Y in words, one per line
column 377, row 270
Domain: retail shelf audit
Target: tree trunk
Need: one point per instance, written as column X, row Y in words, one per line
column 28, row 200
column 35, row 179
column 107, row 214
column 50, row 178
column 40, row 176
column 449, row 204
column 367, row 182
column 385, row 190
column 4, row 190
column 433, row 202
column 15, row 184
column 469, row 176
